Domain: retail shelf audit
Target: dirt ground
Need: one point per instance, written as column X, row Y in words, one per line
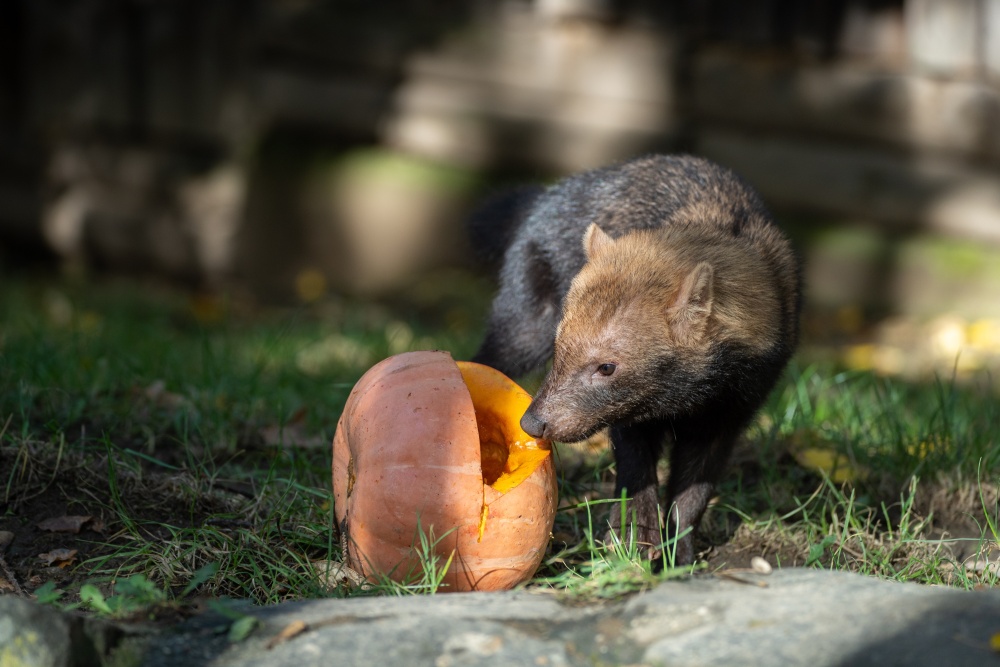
column 65, row 518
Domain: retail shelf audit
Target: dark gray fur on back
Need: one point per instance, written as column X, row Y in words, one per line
column 655, row 189
column 545, row 247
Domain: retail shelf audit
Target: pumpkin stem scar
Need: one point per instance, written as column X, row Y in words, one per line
column 482, row 521
column 351, row 478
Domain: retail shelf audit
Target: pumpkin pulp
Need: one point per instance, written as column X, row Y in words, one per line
column 508, row 455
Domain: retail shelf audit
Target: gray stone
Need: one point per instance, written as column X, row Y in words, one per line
column 791, row 617
column 369, row 222
column 937, row 193
column 943, row 35
column 564, row 95
column 32, row 635
column 875, row 32
column 144, row 208
column 822, row 618
column 866, row 106
column 991, row 37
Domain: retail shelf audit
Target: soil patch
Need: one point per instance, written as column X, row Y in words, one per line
column 74, row 515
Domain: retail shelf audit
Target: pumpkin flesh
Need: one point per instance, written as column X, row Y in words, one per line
column 508, row 455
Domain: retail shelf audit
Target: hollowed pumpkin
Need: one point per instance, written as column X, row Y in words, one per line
column 428, row 444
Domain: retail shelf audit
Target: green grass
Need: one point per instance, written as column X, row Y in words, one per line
column 144, row 409
column 894, row 427
column 908, row 462
column 196, row 434
column 592, row 569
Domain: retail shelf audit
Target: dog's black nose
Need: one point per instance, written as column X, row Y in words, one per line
column 532, row 425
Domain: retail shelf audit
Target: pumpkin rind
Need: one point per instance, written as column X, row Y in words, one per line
column 407, row 450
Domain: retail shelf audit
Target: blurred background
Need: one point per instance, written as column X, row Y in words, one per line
column 291, row 149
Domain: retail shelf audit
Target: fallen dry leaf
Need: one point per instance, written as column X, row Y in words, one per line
column 333, row 573
column 734, row 575
column 157, row 394
column 208, row 308
column 292, row 434
column 6, row 586
column 293, row 629
column 839, row 468
column 59, row 557
column 980, row 565
column 65, row 524
column 310, row 285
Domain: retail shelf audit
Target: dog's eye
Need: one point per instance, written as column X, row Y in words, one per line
column 606, row 369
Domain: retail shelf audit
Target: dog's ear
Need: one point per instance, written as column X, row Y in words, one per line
column 688, row 314
column 595, row 241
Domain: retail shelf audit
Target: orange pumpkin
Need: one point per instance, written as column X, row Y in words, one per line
column 428, row 444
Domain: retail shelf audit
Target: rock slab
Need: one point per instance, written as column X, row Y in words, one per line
column 33, row 635
column 792, row 617
column 799, row 617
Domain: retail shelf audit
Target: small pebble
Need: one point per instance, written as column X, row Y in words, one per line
column 760, row 565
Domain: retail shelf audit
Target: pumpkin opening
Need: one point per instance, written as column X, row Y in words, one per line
column 508, row 454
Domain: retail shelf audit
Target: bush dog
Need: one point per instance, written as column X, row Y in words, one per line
column 668, row 301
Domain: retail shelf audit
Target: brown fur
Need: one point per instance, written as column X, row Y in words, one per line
column 674, row 291
column 675, row 316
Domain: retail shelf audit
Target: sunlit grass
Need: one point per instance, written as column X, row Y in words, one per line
column 199, row 435
column 885, row 426
column 607, row 566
